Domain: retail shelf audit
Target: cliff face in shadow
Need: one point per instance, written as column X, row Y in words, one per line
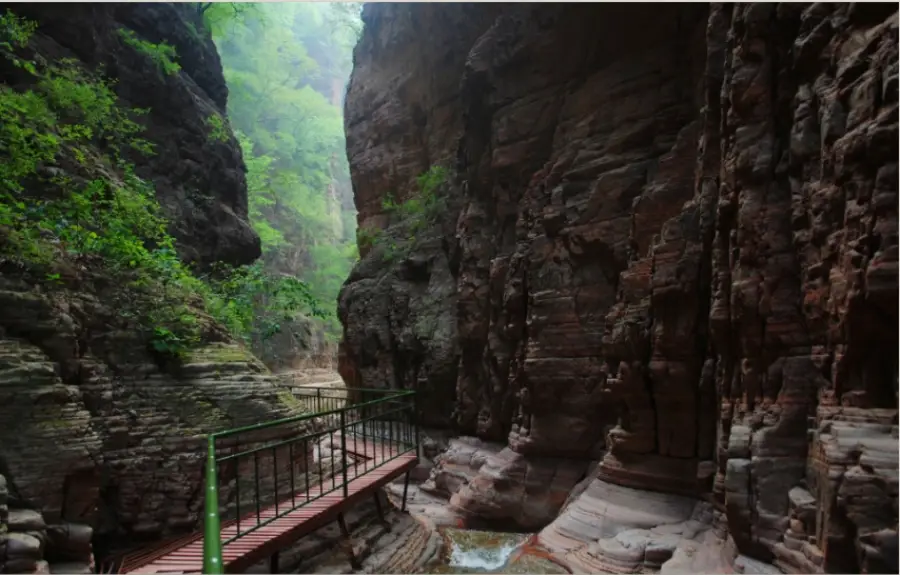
column 668, row 246
column 95, row 434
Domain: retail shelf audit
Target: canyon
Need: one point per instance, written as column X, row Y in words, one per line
column 664, row 286
column 639, row 261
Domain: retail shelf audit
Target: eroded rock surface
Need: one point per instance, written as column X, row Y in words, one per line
column 512, row 489
column 27, row 542
column 94, row 433
column 398, row 124
column 675, row 251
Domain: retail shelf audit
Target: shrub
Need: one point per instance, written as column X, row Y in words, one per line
column 217, row 130
column 416, row 214
column 162, row 54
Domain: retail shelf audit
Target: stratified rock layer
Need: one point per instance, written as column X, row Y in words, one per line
column 93, row 431
column 675, row 251
column 404, row 315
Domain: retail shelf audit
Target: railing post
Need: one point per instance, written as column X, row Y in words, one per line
column 344, row 449
column 415, row 400
column 212, row 532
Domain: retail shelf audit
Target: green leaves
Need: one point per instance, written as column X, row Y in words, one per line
column 415, row 214
column 285, row 67
column 25, row 138
column 217, row 130
column 100, row 212
column 15, row 32
column 162, row 54
column 222, row 18
column 250, row 301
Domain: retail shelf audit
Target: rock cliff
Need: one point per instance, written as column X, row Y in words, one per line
column 669, row 249
column 93, row 432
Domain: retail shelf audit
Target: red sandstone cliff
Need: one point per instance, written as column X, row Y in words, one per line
column 670, row 245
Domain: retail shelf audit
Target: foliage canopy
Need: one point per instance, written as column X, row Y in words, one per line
column 68, row 195
column 286, row 66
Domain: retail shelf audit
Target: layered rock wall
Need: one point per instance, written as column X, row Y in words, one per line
column 92, row 430
column 675, row 250
column 400, row 122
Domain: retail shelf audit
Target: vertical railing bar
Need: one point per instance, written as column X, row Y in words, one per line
column 212, row 532
column 256, row 480
column 306, row 463
column 237, row 493
column 409, row 431
column 355, row 443
column 343, row 419
column 416, row 419
column 275, row 475
column 365, row 441
column 331, row 447
column 293, row 485
column 321, row 472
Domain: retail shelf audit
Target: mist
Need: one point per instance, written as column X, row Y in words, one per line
column 287, row 66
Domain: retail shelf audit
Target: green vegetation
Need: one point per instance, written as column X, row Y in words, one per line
column 62, row 201
column 286, row 66
column 413, row 215
column 250, row 301
column 217, row 130
column 161, row 54
column 220, row 18
column 424, row 206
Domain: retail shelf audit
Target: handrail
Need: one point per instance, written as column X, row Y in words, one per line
column 306, row 416
column 308, row 436
column 352, row 418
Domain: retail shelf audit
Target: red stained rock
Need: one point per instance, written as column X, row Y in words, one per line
column 675, row 248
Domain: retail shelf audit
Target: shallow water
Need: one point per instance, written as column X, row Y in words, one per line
column 489, row 552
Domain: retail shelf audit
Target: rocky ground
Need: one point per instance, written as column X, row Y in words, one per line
column 399, row 543
column 602, row 527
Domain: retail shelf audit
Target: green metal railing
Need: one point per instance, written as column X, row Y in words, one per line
column 281, row 462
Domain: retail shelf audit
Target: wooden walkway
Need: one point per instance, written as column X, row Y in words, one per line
column 185, row 555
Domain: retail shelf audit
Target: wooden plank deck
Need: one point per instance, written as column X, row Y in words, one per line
column 185, row 555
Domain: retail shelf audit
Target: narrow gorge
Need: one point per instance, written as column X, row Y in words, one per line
column 638, row 263
column 661, row 295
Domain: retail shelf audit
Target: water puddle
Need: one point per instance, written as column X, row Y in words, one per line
column 490, row 552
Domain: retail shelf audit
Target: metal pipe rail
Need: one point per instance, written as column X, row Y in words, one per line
column 282, row 462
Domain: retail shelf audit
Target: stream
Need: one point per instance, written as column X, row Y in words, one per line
column 490, row 552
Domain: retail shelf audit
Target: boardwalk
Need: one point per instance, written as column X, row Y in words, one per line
column 381, row 464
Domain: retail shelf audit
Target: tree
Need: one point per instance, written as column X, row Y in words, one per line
column 287, row 66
